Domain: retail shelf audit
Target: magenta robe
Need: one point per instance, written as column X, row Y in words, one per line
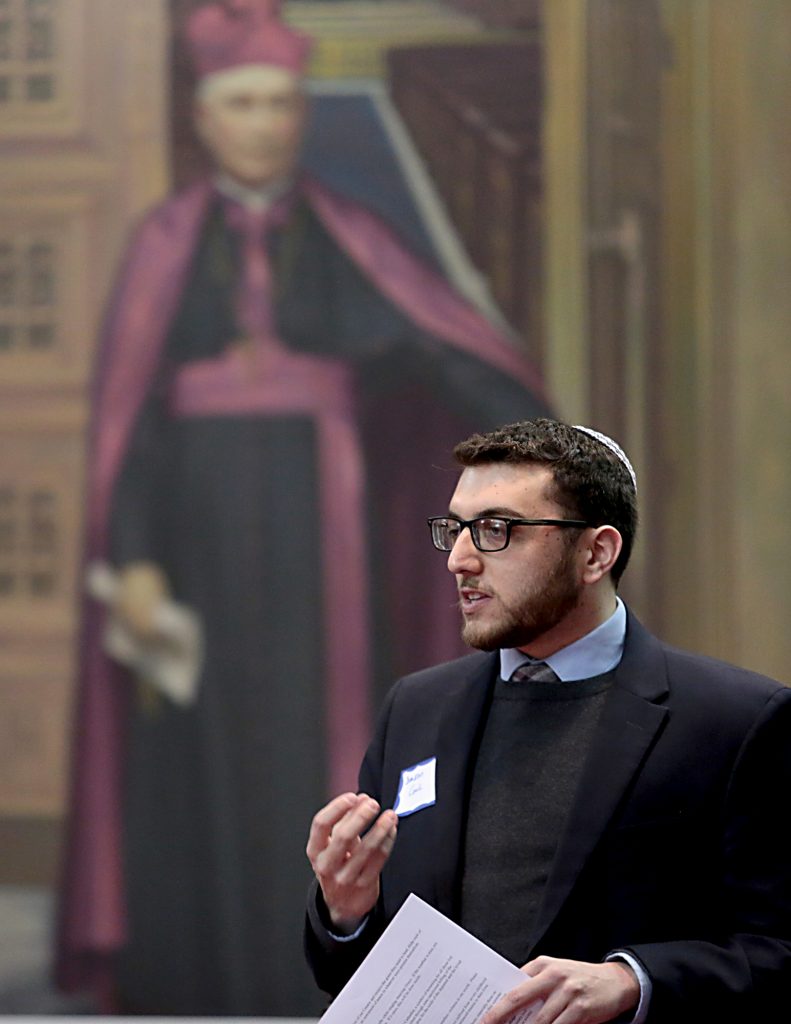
column 93, row 919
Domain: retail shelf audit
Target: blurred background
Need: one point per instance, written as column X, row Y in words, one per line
column 609, row 178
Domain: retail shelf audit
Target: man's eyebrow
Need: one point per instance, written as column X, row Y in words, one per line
column 498, row 511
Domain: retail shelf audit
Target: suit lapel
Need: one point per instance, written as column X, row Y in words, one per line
column 459, row 735
column 630, row 721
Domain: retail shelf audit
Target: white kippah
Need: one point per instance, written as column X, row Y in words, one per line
column 613, row 446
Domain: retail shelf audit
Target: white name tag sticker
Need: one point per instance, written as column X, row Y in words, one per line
column 417, row 788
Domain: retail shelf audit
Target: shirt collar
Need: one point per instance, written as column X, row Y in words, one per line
column 592, row 655
column 252, row 198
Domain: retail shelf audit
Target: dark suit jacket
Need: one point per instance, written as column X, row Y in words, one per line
column 674, row 847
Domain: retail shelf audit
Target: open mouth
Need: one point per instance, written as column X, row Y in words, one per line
column 471, row 600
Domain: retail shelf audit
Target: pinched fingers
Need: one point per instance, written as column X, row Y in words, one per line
column 337, row 833
column 364, row 863
column 324, row 821
column 346, row 862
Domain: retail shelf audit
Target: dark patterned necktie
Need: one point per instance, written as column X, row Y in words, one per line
column 534, row 672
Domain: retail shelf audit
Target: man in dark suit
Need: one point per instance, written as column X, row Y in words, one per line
column 592, row 803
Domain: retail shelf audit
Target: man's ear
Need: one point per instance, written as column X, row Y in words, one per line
column 602, row 547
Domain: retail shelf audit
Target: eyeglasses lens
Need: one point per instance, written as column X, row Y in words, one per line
column 490, row 534
column 487, row 534
column 444, row 533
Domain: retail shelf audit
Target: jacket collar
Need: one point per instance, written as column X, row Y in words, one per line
column 466, row 710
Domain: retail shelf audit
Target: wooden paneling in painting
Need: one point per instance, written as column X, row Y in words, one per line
column 81, row 153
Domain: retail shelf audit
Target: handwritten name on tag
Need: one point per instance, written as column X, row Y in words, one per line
column 417, row 788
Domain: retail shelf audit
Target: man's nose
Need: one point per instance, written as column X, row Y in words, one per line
column 263, row 118
column 464, row 556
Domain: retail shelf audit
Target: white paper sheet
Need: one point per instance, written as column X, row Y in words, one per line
column 426, row 970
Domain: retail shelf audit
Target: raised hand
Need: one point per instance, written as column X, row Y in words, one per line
column 347, row 863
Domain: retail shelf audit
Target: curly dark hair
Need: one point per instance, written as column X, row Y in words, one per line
column 591, row 481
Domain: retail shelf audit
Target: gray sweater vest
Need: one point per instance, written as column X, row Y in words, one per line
column 526, row 773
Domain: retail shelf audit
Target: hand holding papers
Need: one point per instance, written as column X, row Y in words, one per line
column 426, row 970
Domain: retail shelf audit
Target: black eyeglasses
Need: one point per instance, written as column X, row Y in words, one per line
column 489, row 533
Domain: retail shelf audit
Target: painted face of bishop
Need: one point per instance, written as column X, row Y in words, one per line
column 252, row 120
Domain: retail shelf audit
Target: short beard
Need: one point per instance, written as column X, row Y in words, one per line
column 534, row 613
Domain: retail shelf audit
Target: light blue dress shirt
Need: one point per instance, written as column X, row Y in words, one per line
column 592, row 655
